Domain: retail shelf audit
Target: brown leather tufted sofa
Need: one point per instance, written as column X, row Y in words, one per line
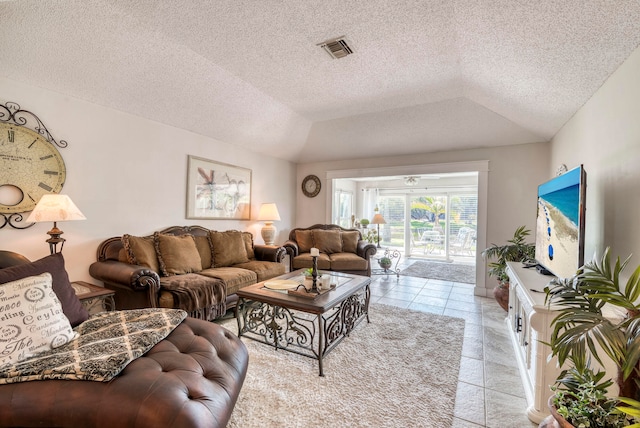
column 192, row 378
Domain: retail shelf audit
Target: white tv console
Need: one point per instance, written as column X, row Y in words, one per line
column 529, row 324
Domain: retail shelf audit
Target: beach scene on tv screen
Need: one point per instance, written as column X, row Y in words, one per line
column 557, row 243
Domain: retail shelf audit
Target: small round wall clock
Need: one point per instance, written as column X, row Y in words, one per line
column 311, row 186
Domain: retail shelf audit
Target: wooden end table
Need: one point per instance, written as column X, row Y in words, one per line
column 305, row 326
column 94, row 299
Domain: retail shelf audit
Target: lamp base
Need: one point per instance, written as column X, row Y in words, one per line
column 55, row 239
column 268, row 233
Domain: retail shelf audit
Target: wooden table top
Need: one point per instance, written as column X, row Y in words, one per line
column 346, row 285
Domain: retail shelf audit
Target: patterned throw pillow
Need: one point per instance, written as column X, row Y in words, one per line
column 31, row 318
column 53, row 264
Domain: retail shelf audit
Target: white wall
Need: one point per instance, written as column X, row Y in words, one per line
column 604, row 135
column 514, row 175
column 128, row 175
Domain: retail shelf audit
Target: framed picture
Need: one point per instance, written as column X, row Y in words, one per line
column 217, row 190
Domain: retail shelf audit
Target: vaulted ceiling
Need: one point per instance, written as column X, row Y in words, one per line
column 425, row 75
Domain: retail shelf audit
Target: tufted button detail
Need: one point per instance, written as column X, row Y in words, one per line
column 192, row 378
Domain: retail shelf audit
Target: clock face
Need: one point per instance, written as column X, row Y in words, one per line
column 30, row 166
column 311, row 186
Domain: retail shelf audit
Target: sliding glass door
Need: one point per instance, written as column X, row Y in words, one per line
column 444, row 225
column 441, row 226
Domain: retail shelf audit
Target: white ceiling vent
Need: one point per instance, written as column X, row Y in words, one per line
column 337, row 48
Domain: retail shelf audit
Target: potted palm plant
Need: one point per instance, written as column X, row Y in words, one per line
column 581, row 323
column 515, row 250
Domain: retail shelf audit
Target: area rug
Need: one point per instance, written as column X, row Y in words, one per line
column 400, row 370
column 443, row 271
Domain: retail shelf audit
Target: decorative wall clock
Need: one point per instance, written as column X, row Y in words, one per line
column 311, row 186
column 30, row 163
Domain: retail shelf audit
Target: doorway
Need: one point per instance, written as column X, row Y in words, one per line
column 435, row 212
column 437, row 222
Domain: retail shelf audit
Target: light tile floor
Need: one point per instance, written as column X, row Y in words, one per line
column 490, row 392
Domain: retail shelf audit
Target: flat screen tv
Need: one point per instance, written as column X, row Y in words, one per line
column 560, row 223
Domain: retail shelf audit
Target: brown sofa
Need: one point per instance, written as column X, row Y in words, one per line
column 191, row 378
column 184, row 267
column 341, row 249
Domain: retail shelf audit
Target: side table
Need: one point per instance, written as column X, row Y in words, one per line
column 94, row 299
column 392, row 255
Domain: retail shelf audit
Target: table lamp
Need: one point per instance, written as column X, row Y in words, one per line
column 378, row 219
column 268, row 213
column 55, row 208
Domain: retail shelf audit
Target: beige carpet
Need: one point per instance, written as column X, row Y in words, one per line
column 442, row 270
column 401, row 370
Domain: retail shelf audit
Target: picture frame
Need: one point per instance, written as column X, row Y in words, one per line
column 217, row 190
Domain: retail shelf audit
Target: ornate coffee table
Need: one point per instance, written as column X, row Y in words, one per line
column 307, row 326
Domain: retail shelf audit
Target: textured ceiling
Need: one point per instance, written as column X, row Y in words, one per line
column 425, row 75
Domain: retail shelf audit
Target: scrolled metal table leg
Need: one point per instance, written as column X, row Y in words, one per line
column 320, row 344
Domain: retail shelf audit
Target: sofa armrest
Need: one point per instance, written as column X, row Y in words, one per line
column 138, row 278
column 365, row 249
column 269, row 253
column 292, row 248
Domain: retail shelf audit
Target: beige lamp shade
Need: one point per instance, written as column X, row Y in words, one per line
column 268, row 213
column 378, row 219
column 55, row 208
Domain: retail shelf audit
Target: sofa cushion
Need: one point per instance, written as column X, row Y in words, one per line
column 54, row 264
column 141, row 251
column 228, row 248
column 32, row 318
column 304, row 238
column 350, row 241
column 264, row 270
column 305, row 261
column 327, row 241
column 203, row 244
column 234, row 278
column 248, row 245
column 177, row 254
column 347, row 261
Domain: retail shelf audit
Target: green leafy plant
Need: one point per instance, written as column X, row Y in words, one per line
column 516, row 250
column 370, row 236
column 580, row 398
column 385, row 261
column 632, row 409
column 581, row 330
column 580, row 322
column 364, row 222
